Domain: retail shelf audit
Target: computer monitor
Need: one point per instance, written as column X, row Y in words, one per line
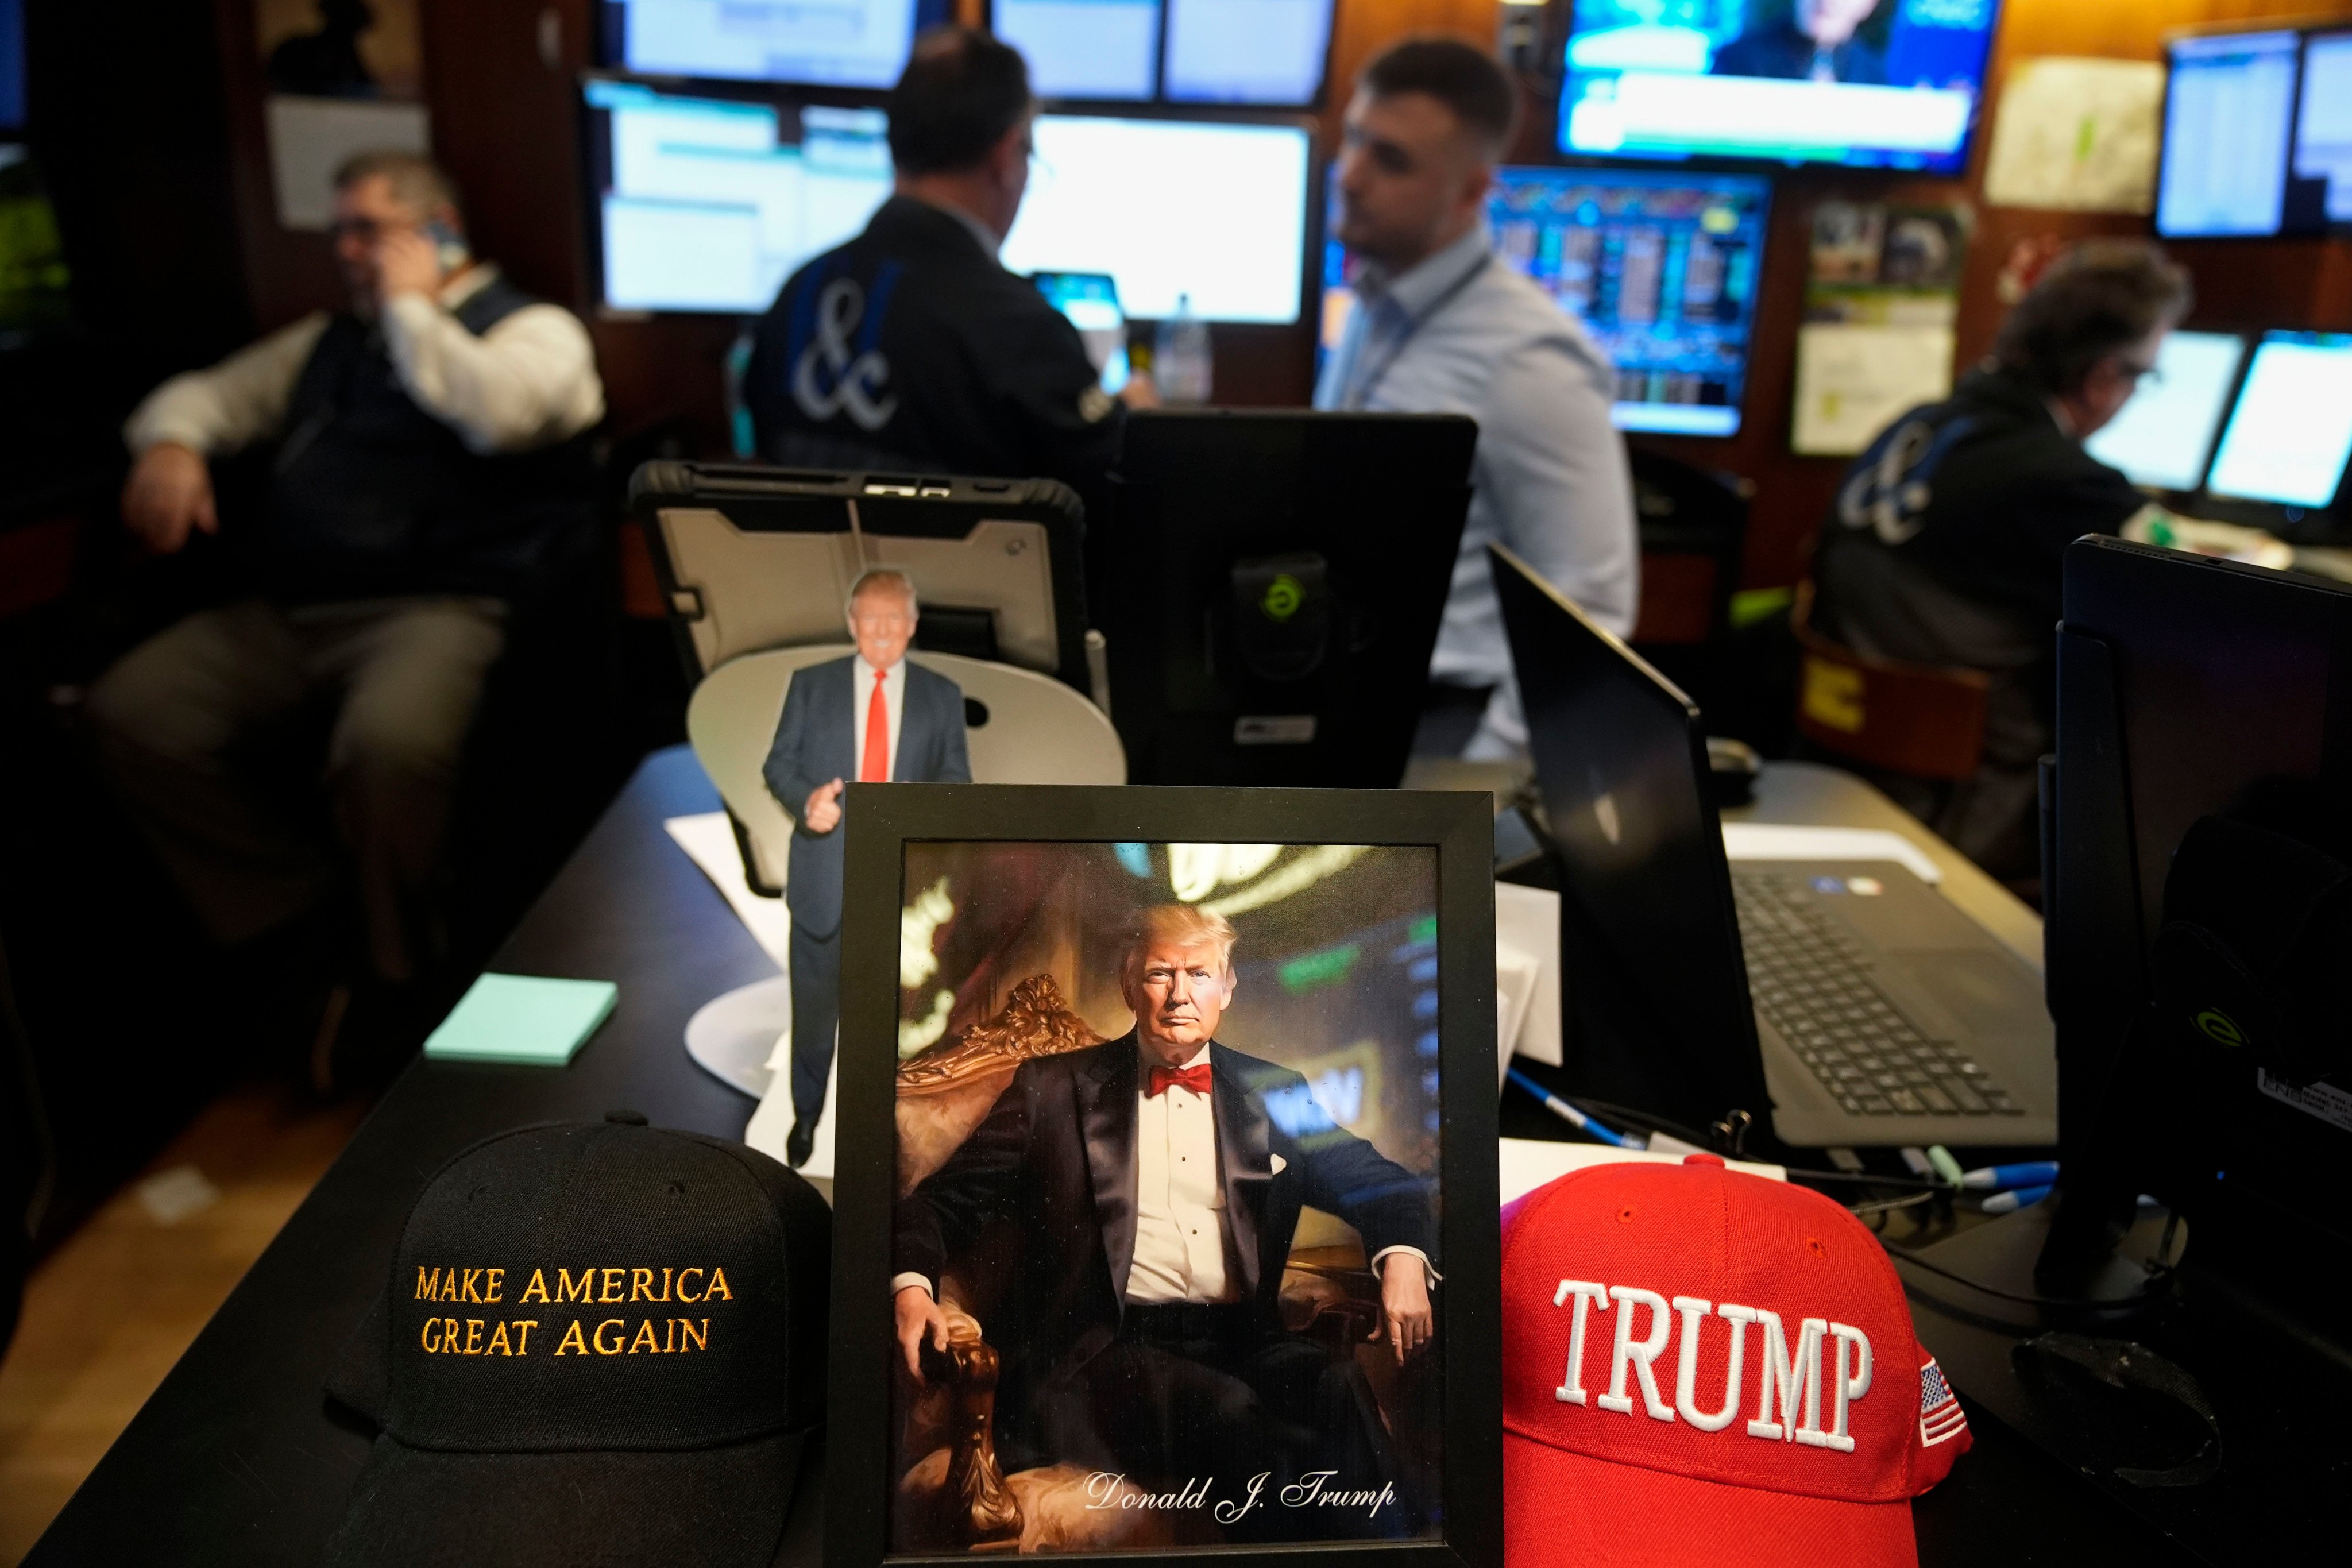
column 2323, row 127
column 1620, row 764
column 2290, row 435
column 2191, row 688
column 2229, row 110
column 1662, row 270
column 1268, row 53
column 837, row 43
column 1271, row 583
column 1101, row 49
column 12, row 65
column 1752, row 79
column 1090, row 301
column 1212, row 210
column 709, row 204
column 2165, row 434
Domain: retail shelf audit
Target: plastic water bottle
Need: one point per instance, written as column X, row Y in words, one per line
column 1180, row 358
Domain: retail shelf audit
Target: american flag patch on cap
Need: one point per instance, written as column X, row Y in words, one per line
column 1940, row 1416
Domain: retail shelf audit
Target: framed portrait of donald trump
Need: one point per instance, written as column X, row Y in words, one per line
column 1165, row 1224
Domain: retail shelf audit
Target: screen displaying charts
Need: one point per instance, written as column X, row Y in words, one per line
column 2229, row 110
column 1662, row 270
column 1170, row 208
column 2164, row 432
column 820, row 43
column 1895, row 85
column 1263, row 52
column 2291, row 434
column 710, row 205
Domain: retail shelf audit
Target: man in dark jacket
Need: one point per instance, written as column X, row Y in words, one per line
column 910, row 348
column 429, row 457
column 1946, row 543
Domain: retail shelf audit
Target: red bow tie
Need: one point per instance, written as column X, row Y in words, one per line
column 1194, row 1078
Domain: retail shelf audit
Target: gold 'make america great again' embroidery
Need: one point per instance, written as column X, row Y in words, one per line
column 612, row 1336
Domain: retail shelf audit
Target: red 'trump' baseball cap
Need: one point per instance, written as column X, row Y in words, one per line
column 1705, row 1366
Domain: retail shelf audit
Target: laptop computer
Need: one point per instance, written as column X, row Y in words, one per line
column 1867, row 1008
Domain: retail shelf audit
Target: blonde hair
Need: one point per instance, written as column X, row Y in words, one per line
column 883, row 579
column 1179, row 926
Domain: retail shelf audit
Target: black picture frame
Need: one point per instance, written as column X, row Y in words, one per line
column 880, row 820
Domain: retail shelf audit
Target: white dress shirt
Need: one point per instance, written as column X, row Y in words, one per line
column 528, row 381
column 1181, row 1252
column 893, row 702
column 1463, row 332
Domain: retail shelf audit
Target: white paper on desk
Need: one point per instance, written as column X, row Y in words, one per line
column 2077, row 135
column 1529, row 1162
column 1788, row 841
column 1854, row 378
column 708, row 841
column 1527, row 929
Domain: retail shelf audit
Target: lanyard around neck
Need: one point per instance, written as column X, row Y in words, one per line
column 1366, row 385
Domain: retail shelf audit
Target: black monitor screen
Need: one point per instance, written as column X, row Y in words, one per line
column 1889, row 83
column 837, row 43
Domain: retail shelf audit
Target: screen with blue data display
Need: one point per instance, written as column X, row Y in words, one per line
column 2228, row 114
column 817, row 43
column 1268, row 53
column 1885, row 83
column 1662, row 270
column 2290, row 435
column 709, row 205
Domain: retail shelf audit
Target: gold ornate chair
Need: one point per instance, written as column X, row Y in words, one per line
column 954, row 1496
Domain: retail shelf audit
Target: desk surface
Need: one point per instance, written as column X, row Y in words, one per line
column 237, row 1457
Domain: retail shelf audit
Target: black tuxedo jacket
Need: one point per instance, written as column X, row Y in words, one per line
column 1056, row 1158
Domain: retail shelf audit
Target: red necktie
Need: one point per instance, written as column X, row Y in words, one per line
column 874, row 766
column 1194, row 1078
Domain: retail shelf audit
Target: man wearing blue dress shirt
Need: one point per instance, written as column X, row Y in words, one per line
column 1444, row 327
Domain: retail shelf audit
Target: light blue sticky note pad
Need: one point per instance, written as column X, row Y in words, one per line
column 522, row 1018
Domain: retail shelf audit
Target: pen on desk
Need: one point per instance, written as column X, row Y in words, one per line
column 1573, row 1117
column 1944, row 1166
column 2003, row 1178
column 2015, row 1199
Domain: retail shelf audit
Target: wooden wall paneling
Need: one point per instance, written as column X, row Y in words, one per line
column 506, row 121
column 287, row 273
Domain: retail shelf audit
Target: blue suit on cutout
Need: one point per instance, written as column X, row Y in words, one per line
column 816, row 742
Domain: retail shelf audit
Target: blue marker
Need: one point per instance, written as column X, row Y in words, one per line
column 1573, row 1117
column 2003, row 1178
column 2015, row 1199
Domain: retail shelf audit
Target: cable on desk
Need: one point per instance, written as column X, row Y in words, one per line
column 1905, row 1254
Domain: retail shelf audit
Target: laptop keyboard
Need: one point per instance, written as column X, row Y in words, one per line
column 1810, row 980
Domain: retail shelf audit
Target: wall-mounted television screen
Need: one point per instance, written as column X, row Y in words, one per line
column 1881, row 83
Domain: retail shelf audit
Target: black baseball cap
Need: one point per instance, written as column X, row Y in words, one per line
column 601, row 1342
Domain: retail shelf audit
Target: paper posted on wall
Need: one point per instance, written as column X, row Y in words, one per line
column 2077, row 135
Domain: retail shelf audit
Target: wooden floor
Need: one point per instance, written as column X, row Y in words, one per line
column 111, row 1311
